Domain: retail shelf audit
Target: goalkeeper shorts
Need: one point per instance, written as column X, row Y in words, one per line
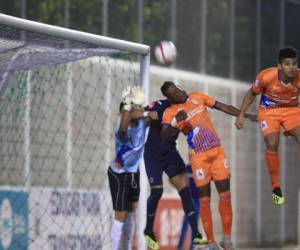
column 124, row 189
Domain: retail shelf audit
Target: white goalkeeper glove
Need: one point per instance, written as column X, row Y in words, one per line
column 138, row 96
column 127, row 98
column 126, row 92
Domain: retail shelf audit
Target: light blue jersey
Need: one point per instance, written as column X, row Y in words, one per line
column 130, row 149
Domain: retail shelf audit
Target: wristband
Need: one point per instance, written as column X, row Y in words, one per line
column 127, row 107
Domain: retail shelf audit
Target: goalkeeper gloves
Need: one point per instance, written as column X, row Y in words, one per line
column 132, row 96
column 138, row 97
column 127, row 98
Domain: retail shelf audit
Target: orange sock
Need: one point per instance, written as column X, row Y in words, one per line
column 272, row 159
column 205, row 213
column 225, row 210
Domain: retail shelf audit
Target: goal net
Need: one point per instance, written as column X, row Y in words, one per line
column 59, row 103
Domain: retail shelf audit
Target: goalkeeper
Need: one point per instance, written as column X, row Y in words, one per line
column 123, row 173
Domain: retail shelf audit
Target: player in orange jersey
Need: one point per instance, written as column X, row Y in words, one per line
column 279, row 88
column 188, row 113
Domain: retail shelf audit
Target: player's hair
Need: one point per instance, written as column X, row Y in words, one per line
column 165, row 86
column 288, row 52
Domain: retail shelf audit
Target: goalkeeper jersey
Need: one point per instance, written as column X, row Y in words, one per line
column 129, row 150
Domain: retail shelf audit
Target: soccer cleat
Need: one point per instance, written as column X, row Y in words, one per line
column 226, row 243
column 277, row 196
column 213, row 246
column 151, row 241
column 199, row 239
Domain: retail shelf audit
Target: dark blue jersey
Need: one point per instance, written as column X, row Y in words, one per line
column 155, row 127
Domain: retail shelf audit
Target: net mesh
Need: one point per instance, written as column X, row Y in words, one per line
column 59, row 102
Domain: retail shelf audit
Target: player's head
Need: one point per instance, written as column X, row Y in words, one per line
column 174, row 93
column 288, row 61
column 288, row 52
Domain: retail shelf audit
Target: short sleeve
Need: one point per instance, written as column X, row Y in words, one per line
column 259, row 84
column 167, row 116
column 206, row 99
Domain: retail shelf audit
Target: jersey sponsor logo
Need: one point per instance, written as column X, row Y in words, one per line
column 200, row 174
column 194, row 101
column 194, row 112
column 263, row 125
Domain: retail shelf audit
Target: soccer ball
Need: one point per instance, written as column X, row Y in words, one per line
column 165, row 52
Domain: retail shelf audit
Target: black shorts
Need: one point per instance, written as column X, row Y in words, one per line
column 159, row 160
column 124, row 189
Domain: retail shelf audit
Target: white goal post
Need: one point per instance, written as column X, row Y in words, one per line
column 140, row 49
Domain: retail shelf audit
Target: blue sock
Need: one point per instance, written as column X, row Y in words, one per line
column 189, row 209
column 152, row 204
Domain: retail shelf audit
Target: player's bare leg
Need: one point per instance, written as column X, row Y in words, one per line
column 273, row 163
column 225, row 209
column 296, row 134
column 181, row 183
column 205, row 212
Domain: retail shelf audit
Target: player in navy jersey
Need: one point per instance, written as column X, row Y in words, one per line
column 159, row 157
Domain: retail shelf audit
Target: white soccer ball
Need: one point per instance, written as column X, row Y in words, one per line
column 165, row 52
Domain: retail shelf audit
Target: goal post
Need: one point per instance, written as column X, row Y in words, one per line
column 60, row 91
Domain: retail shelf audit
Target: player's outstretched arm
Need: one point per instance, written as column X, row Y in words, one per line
column 248, row 99
column 231, row 110
column 139, row 113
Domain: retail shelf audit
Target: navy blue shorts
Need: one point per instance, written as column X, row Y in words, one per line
column 159, row 160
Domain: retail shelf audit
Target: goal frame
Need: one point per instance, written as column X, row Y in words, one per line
column 142, row 50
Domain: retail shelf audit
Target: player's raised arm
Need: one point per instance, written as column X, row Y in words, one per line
column 247, row 101
column 124, row 121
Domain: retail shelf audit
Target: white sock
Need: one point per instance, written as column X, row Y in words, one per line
column 115, row 234
column 127, row 229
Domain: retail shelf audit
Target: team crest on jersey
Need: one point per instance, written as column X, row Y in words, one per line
column 256, row 82
column 200, row 174
column 263, row 125
column 151, row 105
column 226, row 164
column 151, row 179
column 295, row 89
